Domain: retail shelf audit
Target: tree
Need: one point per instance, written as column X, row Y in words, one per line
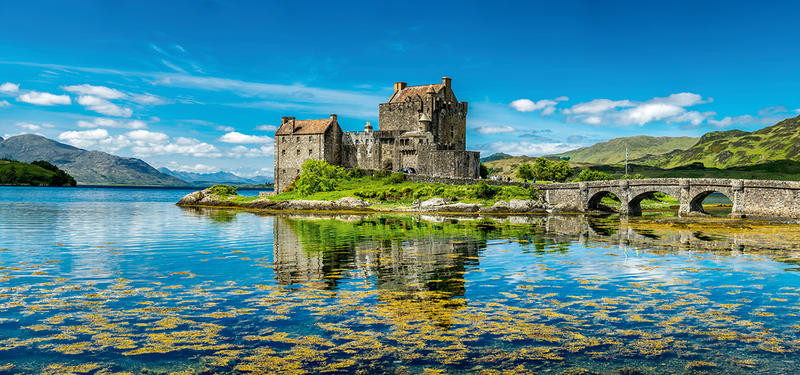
column 593, row 175
column 484, row 172
column 319, row 176
column 525, row 172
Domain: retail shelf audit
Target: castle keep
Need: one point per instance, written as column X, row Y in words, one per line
column 421, row 127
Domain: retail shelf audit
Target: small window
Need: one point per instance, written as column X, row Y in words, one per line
column 310, row 151
column 298, row 171
column 283, row 152
column 310, row 137
column 298, row 151
column 298, row 139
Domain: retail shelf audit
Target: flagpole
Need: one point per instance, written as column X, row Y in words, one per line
column 626, row 160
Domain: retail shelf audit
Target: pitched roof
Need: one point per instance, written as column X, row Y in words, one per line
column 305, row 127
column 413, row 91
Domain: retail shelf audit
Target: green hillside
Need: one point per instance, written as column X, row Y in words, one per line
column 730, row 148
column 38, row 173
column 613, row 150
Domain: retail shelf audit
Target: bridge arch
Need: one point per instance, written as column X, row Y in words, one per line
column 696, row 203
column 595, row 204
column 635, row 203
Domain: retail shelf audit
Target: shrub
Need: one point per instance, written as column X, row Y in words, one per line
column 485, row 191
column 633, row 177
column 223, row 190
column 396, row 178
column 319, row 176
column 593, row 175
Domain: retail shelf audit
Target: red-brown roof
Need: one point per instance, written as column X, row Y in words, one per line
column 413, row 91
column 305, row 127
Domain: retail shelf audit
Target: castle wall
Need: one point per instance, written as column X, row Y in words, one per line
column 402, row 116
column 451, row 120
column 361, row 149
column 291, row 151
column 449, row 163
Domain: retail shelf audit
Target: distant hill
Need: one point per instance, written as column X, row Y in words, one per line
column 38, row 173
column 87, row 167
column 496, row 156
column 214, row 178
column 640, row 146
column 736, row 148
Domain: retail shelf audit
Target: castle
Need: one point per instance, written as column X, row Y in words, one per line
column 420, row 127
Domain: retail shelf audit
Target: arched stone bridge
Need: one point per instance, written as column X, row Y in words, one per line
column 749, row 197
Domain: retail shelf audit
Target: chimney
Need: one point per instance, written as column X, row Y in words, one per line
column 399, row 86
column 446, row 82
column 289, row 120
column 333, row 117
column 368, row 127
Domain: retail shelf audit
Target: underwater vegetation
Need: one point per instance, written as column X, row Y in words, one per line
column 397, row 294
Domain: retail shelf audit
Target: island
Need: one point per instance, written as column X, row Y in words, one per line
column 37, row 173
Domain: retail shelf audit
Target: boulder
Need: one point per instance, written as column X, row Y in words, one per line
column 433, row 202
column 460, row 207
column 260, row 203
column 498, row 207
column 350, row 202
column 191, row 198
column 526, row 205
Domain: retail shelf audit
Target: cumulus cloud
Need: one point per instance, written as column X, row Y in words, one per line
column 32, row 127
column 95, row 91
column 547, row 106
column 111, row 123
column 141, row 143
column 197, row 168
column 236, row 137
column 494, row 129
column 529, row 148
column 267, row 128
column 735, row 120
column 84, row 138
column 9, row 88
column 102, row 106
column 224, row 128
column 672, row 109
column 255, row 152
column 4, row 103
column 44, row 98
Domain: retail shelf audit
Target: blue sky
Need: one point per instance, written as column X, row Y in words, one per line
column 200, row 85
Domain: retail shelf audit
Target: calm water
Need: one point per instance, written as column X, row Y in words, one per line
column 102, row 280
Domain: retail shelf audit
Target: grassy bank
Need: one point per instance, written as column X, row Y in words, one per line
column 394, row 191
column 38, row 173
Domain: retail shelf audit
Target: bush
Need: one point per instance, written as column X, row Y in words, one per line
column 593, row 175
column 633, row 177
column 319, row 176
column 483, row 171
column 545, row 170
column 485, row 191
column 396, row 178
column 223, row 190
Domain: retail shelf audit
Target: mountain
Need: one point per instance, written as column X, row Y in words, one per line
column 496, row 156
column 87, row 167
column 214, row 178
column 613, row 150
column 734, row 148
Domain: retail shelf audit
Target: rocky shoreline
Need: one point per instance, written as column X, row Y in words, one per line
column 205, row 198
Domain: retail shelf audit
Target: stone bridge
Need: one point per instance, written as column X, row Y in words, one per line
column 749, row 197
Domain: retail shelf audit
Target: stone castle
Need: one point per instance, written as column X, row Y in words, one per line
column 421, row 127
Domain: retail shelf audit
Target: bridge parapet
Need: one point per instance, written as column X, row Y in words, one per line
column 749, row 197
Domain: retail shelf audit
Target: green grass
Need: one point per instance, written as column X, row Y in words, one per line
column 788, row 170
column 383, row 193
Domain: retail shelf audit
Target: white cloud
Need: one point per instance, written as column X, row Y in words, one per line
column 95, row 91
column 245, row 152
column 671, row 109
column 102, row 106
column 111, row 123
column 224, row 128
column 181, row 146
column 494, row 129
column 148, row 99
column 28, row 126
column 44, row 98
column 197, row 168
column 236, row 137
column 649, row 112
column 4, row 103
column 528, row 148
column 547, row 106
column 267, row 128
column 736, row 120
column 85, row 138
column 597, row 106
column 9, row 88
